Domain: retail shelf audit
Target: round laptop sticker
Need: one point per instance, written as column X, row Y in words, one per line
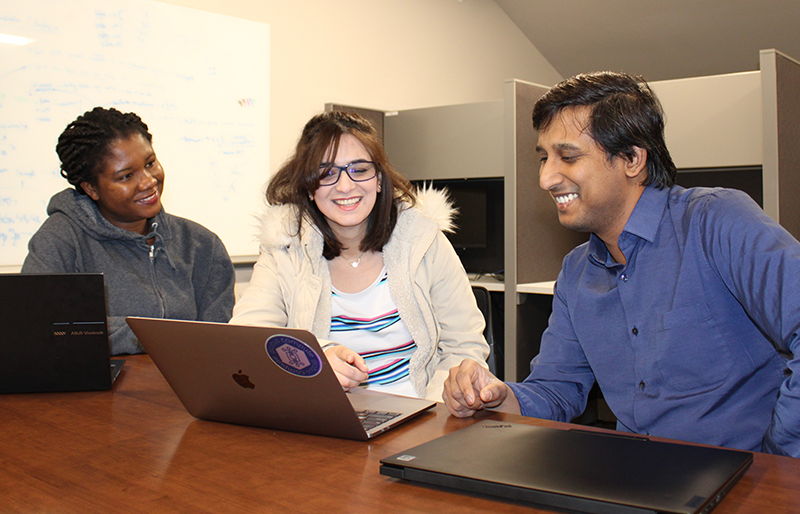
column 293, row 356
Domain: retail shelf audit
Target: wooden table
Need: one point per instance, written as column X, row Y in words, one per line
column 135, row 449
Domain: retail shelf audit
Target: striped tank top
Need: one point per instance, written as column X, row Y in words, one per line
column 368, row 323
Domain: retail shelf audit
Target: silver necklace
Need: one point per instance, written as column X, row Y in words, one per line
column 354, row 263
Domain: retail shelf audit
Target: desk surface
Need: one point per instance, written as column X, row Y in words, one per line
column 135, row 449
column 492, row 284
column 537, row 287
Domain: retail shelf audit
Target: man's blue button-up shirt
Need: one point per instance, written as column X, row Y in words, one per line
column 693, row 338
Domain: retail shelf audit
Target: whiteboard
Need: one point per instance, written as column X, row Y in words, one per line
column 199, row 80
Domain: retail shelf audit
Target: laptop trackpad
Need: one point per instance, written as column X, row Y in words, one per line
column 362, row 399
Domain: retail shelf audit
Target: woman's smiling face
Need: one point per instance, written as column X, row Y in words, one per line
column 128, row 186
column 347, row 204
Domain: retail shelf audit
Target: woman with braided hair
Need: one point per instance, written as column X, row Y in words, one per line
column 154, row 264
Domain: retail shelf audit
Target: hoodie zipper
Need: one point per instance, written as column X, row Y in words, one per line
column 152, row 254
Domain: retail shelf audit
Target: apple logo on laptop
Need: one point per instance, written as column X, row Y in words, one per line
column 243, row 380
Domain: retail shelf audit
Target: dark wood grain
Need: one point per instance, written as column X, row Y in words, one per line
column 135, row 449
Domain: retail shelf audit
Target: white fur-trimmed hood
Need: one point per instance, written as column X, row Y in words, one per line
column 437, row 205
column 278, row 223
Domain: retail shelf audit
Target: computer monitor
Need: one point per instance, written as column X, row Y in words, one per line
column 743, row 178
column 478, row 238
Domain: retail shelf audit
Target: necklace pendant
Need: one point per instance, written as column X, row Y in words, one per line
column 354, row 263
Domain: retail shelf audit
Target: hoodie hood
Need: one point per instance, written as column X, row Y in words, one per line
column 82, row 211
column 278, row 223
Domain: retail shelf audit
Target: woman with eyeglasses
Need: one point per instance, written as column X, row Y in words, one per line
column 350, row 252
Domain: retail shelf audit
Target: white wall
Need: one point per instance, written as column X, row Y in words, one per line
column 382, row 54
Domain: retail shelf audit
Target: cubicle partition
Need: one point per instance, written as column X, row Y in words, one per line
column 536, row 243
column 780, row 83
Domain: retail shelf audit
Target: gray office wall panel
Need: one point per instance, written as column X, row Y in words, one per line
column 780, row 83
column 536, row 243
column 454, row 141
column 542, row 242
column 769, row 133
column 788, row 108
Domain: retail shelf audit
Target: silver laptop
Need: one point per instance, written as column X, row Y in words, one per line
column 574, row 470
column 55, row 336
column 274, row 378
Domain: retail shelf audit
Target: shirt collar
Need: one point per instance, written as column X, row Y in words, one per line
column 647, row 214
column 643, row 224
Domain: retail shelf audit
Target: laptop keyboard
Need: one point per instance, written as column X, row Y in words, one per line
column 372, row 418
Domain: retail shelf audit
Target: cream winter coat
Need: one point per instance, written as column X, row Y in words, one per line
column 291, row 287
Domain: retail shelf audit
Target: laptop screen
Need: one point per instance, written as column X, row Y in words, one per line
column 55, row 336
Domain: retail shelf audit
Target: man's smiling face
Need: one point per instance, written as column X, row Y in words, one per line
column 592, row 192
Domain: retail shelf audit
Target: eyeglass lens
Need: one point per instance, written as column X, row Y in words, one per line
column 357, row 171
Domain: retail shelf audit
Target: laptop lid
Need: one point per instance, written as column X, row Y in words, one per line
column 574, row 469
column 274, row 378
column 55, row 336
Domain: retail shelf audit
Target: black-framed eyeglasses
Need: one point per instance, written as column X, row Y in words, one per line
column 358, row 171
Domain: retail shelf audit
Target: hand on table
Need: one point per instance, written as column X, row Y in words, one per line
column 470, row 387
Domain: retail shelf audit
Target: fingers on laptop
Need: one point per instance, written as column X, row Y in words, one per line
column 348, row 365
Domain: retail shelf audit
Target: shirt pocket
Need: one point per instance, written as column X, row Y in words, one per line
column 691, row 352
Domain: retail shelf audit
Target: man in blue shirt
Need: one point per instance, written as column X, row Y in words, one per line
column 684, row 305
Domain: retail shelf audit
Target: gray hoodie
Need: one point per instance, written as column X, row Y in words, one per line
column 185, row 274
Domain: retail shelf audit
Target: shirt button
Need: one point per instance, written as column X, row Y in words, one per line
column 642, row 385
column 624, row 277
column 635, row 331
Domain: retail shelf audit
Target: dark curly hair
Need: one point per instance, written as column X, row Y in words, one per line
column 298, row 179
column 623, row 113
column 84, row 144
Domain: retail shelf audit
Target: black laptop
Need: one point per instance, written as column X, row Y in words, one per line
column 574, row 470
column 55, row 336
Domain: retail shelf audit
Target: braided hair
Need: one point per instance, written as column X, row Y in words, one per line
column 85, row 143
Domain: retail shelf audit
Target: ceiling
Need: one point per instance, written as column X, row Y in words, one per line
column 659, row 39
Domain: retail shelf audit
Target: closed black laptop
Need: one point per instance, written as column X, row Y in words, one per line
column 574, row 470
column 55, row 336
